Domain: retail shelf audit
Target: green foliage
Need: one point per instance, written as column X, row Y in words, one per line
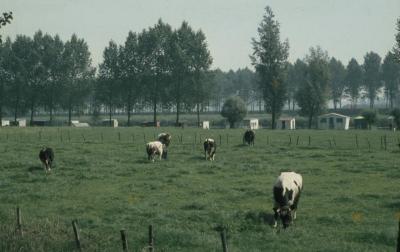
column 370, row 117
column 109, row 185
column 234, row 110
column 337, row 74
column 312, row 93
column 270, row 60
column 354, row 79
column 372, row 76
column 396, row 48
column 4, row 20
column 391, row 77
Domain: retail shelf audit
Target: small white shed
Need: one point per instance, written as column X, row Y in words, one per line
column 21, row 122
column 5, row 123
column 251, row 123
column 206, row 124
column 114, row 123
column 287, row 123
column 78, row 124
column 333, row 121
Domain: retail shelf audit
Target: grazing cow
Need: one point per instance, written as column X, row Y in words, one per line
column 210, row 146
column 164, row 138
column 248, row 137
column 46, row 155
column 287, row 190
column 155, row 148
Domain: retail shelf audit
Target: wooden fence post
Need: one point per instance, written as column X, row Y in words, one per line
column 101, row 136
column 227, row 138
column 398, row 238
column 151, row 238
column 309, row 140
column 290, row 139
column 297, row 141
column 69, row 136
column 385, row 141
column 133, row 138
column 119, row 136
column 124, row 240
column 267, row 139
column 334, row 141
column 19, row 221
column 76, row 234
column 83, row 137
column 220, row 139
column 223, row 240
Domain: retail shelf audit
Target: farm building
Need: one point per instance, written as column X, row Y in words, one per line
column 251, row 123
column 360, row 122
column 205, row 125
column 5, row 123
column 333, row 121
column 79, row 124
column 287, row 123
column 106, row 122
column 19, row 123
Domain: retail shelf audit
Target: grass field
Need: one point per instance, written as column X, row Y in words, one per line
column 102, row 178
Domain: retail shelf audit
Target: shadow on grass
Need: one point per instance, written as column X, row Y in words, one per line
column 35, row 168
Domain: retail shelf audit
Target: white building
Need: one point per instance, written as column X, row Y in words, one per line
column 333, row 121
column 5, row 123
column 106, row 122
column 287, row 123
column 252, row 123
column 206, row 125
column 78, row 124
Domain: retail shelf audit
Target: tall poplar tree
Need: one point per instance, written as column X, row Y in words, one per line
column 270, row 60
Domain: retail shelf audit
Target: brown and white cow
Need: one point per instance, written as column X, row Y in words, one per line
column 210, row 146
column 155, row 148
column 287, row 190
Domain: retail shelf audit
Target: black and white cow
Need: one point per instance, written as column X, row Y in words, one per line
column 164, row 138
column 249, row 137
column 287, row 190
column 155, row 148
column 46, row 155
column 210, row 146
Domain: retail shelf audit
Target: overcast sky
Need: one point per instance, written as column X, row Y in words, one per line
column 345, row 28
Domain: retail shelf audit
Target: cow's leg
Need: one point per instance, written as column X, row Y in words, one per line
column 294, row 206
column 276, row 216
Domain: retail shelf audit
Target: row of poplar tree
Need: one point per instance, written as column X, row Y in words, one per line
column 156, row 66
column 170, row 68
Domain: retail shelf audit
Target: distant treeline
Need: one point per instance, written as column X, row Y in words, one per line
column 165, row 69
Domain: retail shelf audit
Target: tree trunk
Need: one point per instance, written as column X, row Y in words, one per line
column 16, row 109
column 310, row 121
column 231, row 124
column 69, row 114
column 110, row 113
column 155, row 111
column 273, row 114
column 334, row 104
column 178, row 105
column 129, row 113
column 32, row 112
column 198, row 114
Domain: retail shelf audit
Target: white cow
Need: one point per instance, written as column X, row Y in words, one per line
column 287, row 190
column 155, row 148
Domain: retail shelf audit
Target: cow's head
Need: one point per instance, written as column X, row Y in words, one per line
column 285, row 213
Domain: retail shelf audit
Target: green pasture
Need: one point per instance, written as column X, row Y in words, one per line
column 102, row 178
